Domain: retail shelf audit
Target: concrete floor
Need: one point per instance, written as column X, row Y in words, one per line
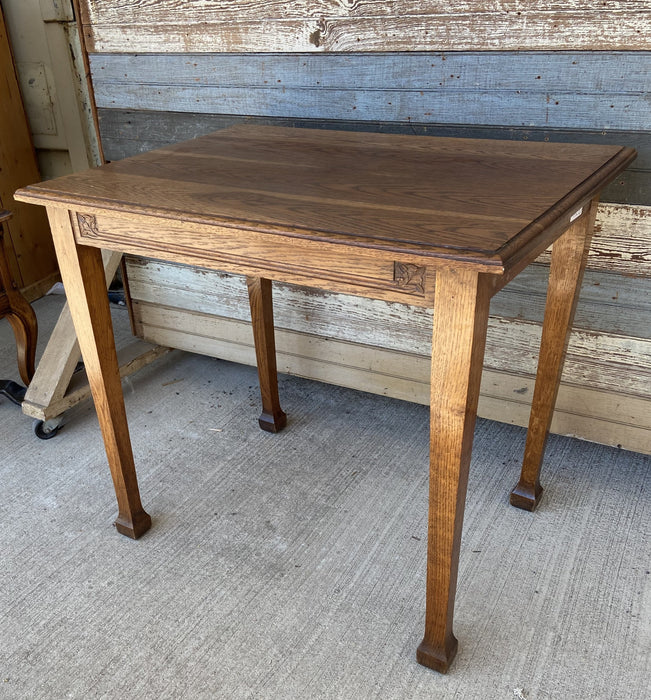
column 292, row 566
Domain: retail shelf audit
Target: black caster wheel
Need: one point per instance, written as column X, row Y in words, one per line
column 46, row 429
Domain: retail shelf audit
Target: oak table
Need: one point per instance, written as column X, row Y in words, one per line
column 442, row 223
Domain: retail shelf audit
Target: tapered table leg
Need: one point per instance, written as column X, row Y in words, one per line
column 569, row 256
column 460, row 322
column 82, row 272
column 272, row 419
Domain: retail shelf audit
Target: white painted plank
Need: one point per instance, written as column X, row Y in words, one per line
column 605, row 417
column 622, row 240
column 172, row 26
column 385, row 362
column 603, row 360
column 607, row 362
column 608, row 303
column 200, row 11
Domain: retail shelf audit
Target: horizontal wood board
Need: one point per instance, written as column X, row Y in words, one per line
column 596, row 358
column 546, row 90
column 316, row 339
column 609, row 303
column 129, row 132
column 543, row 71
column 367, row 25
column 624, row 249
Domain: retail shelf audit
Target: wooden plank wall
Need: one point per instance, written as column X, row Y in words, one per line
column 548, row 71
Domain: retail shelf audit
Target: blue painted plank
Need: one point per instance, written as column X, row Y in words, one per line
column 548, row 90
column 579, row 71
column 551, row 110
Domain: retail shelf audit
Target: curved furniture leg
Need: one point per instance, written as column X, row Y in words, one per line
column 23, row 322
column 19, row 313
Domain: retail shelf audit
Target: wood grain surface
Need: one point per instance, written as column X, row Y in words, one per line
column 82, row 271
column 592, row 97
column 15, row 308
column 273, row 418
column 127, row 132
column 354, row 25
column 569, row 257
column 442, row 197
column 458, row 341
column 567, row 85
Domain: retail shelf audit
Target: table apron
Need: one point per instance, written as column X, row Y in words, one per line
column 367, row 272
column 389, row 275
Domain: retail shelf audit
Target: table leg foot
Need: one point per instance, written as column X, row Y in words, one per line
column 272, row 423
column 133, row 527
column 437, row 658
column 526, row 496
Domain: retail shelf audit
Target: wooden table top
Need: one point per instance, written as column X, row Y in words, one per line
column 434, row 195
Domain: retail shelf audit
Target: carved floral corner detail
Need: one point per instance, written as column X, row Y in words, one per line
column 409, row 277
column 87, row 225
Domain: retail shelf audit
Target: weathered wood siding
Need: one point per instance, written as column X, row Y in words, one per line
column 371, row 25
column 572, row 71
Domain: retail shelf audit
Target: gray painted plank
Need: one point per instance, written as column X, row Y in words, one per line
column 553, row 72
column 582, row 111
column 125, row 133
column 171, row 127
column 472, row 91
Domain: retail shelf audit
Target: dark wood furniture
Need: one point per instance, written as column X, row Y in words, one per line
column 19, row 313
column 441, row 223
